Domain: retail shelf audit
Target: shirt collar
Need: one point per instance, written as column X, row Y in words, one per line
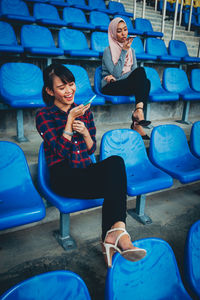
column 53, row 108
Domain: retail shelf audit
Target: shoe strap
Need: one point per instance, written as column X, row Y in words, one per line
column 138, row 108
column 119, row 237
column 114, row 229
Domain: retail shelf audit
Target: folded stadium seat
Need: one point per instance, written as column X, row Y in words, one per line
column 75, row 18
column 100, row 6
column 157, row 47
column 83, row 87
column 109, row 98
column 100, row 20
column 74, row 43
column 59, row 3
column 129, row 23
column 192, row 259
column 47, row 14
column 8, row 40
column 119, row 8
column 64, row 205
column 79, row 4
column 41, row 41
column 21, row 87
column 195, row 139
column 185, row 21
column 154, row 277
column 99, row 41
column 142, row 176
column 145, row 26
column 20, row 202
column 179, row 48
column 169, row 150
column 57, row 285
column 175, row 80
column 15, row 10
column 137, row 45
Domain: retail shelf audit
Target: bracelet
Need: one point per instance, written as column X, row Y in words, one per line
column 68, row 133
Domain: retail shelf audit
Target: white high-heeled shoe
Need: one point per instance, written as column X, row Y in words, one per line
column 129, row 254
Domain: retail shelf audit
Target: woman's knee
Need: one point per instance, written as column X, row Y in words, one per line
column 117, row 162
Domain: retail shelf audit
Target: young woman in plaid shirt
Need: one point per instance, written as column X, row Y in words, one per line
column 68, row 131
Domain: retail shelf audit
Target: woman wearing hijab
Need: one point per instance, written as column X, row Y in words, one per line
column 120, row 74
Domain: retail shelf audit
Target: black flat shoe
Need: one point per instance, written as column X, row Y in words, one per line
column 143, row 123
column 145, row 137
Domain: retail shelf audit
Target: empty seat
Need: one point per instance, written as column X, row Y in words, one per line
column 47, row 14
column 76, row 18
column 137, row 45
column 179, row 48
column 157, row 47
column 41, row 41
column 8, row 40
column 99, row 41
column 64, row 205
column 129, row 23
column 109, row 98
column 15, row 10
column 100, row 6
column 154, row 277
column 20, row 202
column 83, row 87
column 169, row 151
column 79, row 4
column 194, row 80
column 119, row 8
column 145, row 26
column 195, row 139
column 57, row 285
column 142, row 176
column 59, row 3
column 74, row 43
column 100, row 20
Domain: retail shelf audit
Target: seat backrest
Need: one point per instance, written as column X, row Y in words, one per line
column 153, row 76
column 7, row 34
column 71, row 14
column 127, row 20
column 40, row 36
column 156, row 46
column 154, row 277
column 117, row 6
column 177, row 48
column 64, row 285
column 126, row 143
column 97, row 80
column 99, row 41
column 175, row 80
column 99, row 18
column 97, row 4
column 15, row 7
column 137, row 45
column 71, row 39
column 143, row 24
column 43, row 10
column 76, row 2
column 168, row 142
column 194, row 79
column 186, row 16
column 195, row 139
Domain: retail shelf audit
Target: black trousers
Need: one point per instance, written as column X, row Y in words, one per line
column 105, row 179
column 136, row 84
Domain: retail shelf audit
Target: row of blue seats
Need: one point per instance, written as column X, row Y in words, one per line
column 169, row 151
column 154, row 270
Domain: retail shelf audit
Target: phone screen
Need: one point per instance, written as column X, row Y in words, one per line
column 90, row 100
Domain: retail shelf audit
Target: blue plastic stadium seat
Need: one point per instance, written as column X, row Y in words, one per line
column 185, row 21
column 179, row 48
column 145, row 26
column 169, row 150
column 157, row 47
column 100, row 6
column 79, row 4
column 142, row 176
column 20, row 202
column 64, row 205
column 137, row 45
column 119, row 8
column 83, row 87
column 74, row 43
column 47, row 14
column 195, row 139
column 59, row 3
column 41, row 41
column 8, row 40
column 100, row 20
column 75, row 18
column 57, row 285
column 192, row 259
column 36, row 1
column 99, row 41
column 155, row 277
column 194, row 80
column 109, row 98
column 129, row 23
column 16, row 10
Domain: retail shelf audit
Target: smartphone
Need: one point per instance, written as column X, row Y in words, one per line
column 132, row 36
column 90, row 100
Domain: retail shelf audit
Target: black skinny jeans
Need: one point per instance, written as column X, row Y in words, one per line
column 105, row 179
column 136, row 84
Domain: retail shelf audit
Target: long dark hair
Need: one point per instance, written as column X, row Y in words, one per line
column 55, row 69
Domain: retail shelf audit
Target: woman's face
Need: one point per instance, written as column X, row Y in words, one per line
column 122, row 32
